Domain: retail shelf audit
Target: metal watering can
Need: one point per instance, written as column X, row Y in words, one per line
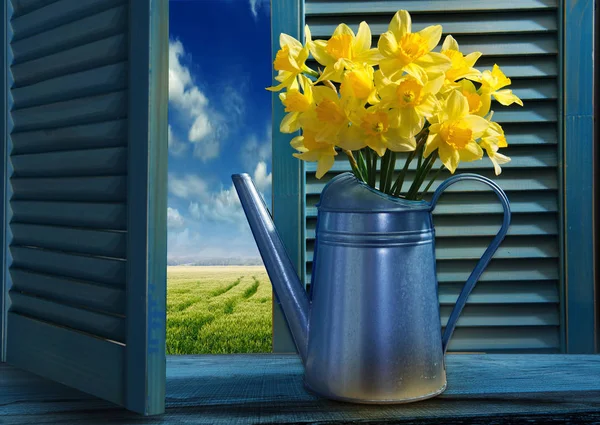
column 370, row 331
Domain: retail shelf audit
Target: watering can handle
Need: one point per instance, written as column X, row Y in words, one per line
column 487, row 255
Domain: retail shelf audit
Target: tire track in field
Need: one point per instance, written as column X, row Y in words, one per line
column 221, row 291
column 252, row 289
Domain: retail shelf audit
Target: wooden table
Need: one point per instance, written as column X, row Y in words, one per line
column 267, row 388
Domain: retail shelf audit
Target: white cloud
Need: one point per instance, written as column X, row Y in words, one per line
column 256, row 5
column 176, row 146
column 190, row 186
column 222, row 206
column 262, row 180
column 184, row 242
column 174, row 219
column 207, row 127
column 256, row 149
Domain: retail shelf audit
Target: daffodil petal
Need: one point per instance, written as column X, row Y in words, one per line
column 397, row 143
column 362, row 41
column 471, row 58
column 343, row 29
column 324, row 165
column 387, row 44
column 457, row 106
column 317, row 49
column 290, row 123
column 471, row 152
column 449, row 157
column 288, row 40
column 400, row 24
column 351, row 138
column 477, row 124
column 434, row 62
column 506, row 97
column 433, row 142
column 486, row 102
column 432, row 34
column 450, row 43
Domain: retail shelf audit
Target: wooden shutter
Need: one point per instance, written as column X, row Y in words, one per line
column 515, row 307
column 85, row 163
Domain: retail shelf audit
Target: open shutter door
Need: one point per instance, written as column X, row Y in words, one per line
column 85, row 229
column 515, row 307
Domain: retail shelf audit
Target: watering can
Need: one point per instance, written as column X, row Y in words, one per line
column 370, row 329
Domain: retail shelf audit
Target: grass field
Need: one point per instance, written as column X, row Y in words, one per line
column 218, row 310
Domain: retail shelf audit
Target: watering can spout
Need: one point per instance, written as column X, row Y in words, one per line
column 288, row 288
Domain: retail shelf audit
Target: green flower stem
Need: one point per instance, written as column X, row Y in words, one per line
column 373, row 176
column 310, row 72
column 421, row 176
column 390, row 172
column 397, row 188
column 435, row 176
column 383, row 172
column 362, row 166
column 353, row 164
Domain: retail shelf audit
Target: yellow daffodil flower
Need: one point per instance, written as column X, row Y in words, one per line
column 358, row 83
column 309, row 149
column 403, row 50
column 491, row 83
column 492, row 140
column 343, row 48
column 461, row 65
column 289, row 61
column 454, row 132
column 374, row 128
column 478, row 104
column 411, row 99
column 296, row 102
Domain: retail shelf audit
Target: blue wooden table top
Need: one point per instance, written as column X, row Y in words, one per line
column 267, row 388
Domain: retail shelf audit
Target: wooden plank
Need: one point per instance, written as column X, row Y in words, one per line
column 499, row 293
column 93, row 189
column 95, row 323
column 70, row 291
column 85, row 136
column 147, row 206
column 92, row 55
column 71, row 239
column 329, row 7
column 96, row 81
column 460, row 23
column 582, row 319
column 56, row 39
column 267, row 388
column 104, row 107
column 95, row 215
column 509, row 180
column 96, row 269
column 88, row 162
column 486, row 225
column 69, row 357
column 56, row 14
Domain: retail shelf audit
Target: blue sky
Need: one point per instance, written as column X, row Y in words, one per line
column 219, row 123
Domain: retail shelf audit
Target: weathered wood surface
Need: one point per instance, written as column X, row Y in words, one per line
column 267, row 388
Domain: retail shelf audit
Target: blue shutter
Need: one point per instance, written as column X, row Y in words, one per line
column 516, row 305
column 85, row 202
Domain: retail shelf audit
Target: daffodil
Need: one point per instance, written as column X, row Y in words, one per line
column 454, row 132
column 478, row 104
column 461, row 65
column 296, row 103
column 289, row 61
column 343, row 48
column 491, row 83
column 374, row 128
column 492, row 140
column 309, row 149
column 358, row 83
column 403, row 50
column 411, row 99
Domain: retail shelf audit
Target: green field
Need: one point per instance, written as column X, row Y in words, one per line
column 218, row 310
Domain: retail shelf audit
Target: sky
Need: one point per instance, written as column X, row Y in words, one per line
column 219, row 123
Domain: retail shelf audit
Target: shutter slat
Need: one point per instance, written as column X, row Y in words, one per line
column 511, row 292
column 105, row 298
column 57, row 14
column 96, row 269
column 99, row 53
column 92, row 215
column 336, row 7
column 84, row 241
column 463, row 23
column 104, row 107
column 21, row 7
column 48, row 351
column 93, row 189
column 503, row 338
column 86, row 136
column 92, row 28
column 508, row 315
column 87, row 83
column 107, row 326
column 88, row 162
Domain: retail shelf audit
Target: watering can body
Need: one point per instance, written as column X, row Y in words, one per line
column 370, row 330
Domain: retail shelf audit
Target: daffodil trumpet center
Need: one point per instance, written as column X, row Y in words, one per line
column 328, row 111
column 409, row 93
column 340, row 47
column 456, row 133
column 375, row 124
column 411, row 47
